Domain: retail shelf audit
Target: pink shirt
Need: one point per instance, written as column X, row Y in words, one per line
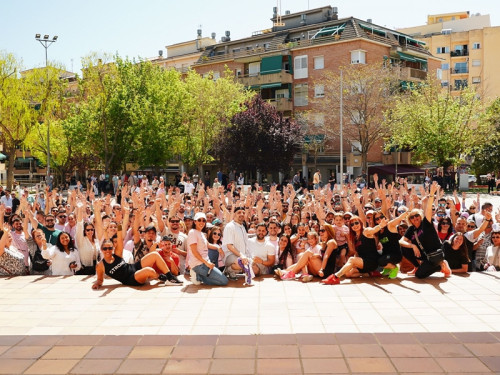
column 198, row 238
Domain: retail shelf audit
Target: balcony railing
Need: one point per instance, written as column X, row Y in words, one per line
column 408, row 74
column 459, row 53
column 459, row 71
column 283, row 76
column 282, row 104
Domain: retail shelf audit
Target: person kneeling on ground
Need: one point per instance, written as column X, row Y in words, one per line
column 135, row 274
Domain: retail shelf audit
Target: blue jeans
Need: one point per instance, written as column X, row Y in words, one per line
column 215, row 278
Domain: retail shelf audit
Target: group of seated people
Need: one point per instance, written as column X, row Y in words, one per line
column 215, row 235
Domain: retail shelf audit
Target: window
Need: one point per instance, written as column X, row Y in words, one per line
column 444, row 83
column 439, row 73
column 461, row 67
column 443, row 50
column 216, row 76
column 254, row 69
column 445, row 66
column 356, row 147
column 476, row 62
column 476, row 79
column 300, row 71
column 319, row 62
column 476, row 45
column 319, row 91
column 358, row 57
column 301, row 95
column 237, row 72
column 460, row 84
column 282, row 93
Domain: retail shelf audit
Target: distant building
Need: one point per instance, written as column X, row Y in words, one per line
column 469, row 47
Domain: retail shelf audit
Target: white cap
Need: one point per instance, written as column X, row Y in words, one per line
column 200, row 215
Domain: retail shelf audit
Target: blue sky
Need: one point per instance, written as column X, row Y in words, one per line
column 140, row 28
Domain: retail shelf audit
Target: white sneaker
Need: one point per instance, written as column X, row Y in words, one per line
column 194, row 280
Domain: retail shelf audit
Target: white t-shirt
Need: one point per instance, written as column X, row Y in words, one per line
column 236, row 235
column 262, row 249
column 198, row 238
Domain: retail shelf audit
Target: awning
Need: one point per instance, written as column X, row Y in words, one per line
column 328, row 31
column 316, row 138
column 406, row 57
column 272, row 64
column 390, row 169
column 374, row 30
column 271, row 85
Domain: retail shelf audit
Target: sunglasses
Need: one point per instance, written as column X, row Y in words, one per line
column 413, row 217
column 216, row 234
column 495, row 237
column 201, row 221
column 379, row 218
column 62, row 217
column 321, row 230
column 471, row 226
column 175, row 221
column 89, row 230
column 354, row 223
column 445, row 223
column 49, row 220
column 106, row 248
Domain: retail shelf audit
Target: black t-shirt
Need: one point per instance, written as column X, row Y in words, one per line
column 455, row 258
column 427, row 236
column 389, row 241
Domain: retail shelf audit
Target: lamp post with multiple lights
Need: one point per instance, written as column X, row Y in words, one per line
column 46, row 42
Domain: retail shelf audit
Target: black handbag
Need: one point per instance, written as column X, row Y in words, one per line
column 40, row 264
column 436, row 257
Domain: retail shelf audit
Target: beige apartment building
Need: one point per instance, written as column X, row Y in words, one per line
column 469, row 48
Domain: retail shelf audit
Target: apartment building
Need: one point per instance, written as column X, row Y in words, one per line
column 283, row 63
column 468, row 45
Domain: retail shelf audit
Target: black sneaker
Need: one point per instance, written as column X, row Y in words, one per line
column 172, row 279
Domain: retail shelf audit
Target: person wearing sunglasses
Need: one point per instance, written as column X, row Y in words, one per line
column 493, row 253
column 202, row 269
column 444, row 228
column 421, row 239
column 215, row 252
column 135, row 274
column 365, row 248
column 86, row 242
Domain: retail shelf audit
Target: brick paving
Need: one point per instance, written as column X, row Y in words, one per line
column 58, row 325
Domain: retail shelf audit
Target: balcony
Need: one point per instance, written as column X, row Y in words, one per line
column 459, row 71
column 282, row 104
column 458, row 53
column 412, row 74
column 282, row 77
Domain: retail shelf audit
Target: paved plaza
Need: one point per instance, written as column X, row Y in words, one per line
column 59, row 325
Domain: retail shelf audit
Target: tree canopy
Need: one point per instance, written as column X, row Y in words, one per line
column 367, row 92
column 437, row 126
column 259, row 138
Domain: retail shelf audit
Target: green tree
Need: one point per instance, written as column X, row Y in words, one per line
column 210, row 106
column 487, row 154
column 367, row 92
column 437, row 126
column 25, row 101
column 259, row 138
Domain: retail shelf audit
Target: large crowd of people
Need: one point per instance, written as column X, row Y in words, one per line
column 210, row 234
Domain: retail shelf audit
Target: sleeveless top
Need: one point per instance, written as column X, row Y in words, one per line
column 367, row 248
column 118, row 269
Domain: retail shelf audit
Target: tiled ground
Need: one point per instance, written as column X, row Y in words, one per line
column 58, row 325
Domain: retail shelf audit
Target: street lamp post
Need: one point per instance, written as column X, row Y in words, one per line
column 46, row 42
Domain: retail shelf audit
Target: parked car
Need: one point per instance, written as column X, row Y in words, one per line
column 472, row 178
